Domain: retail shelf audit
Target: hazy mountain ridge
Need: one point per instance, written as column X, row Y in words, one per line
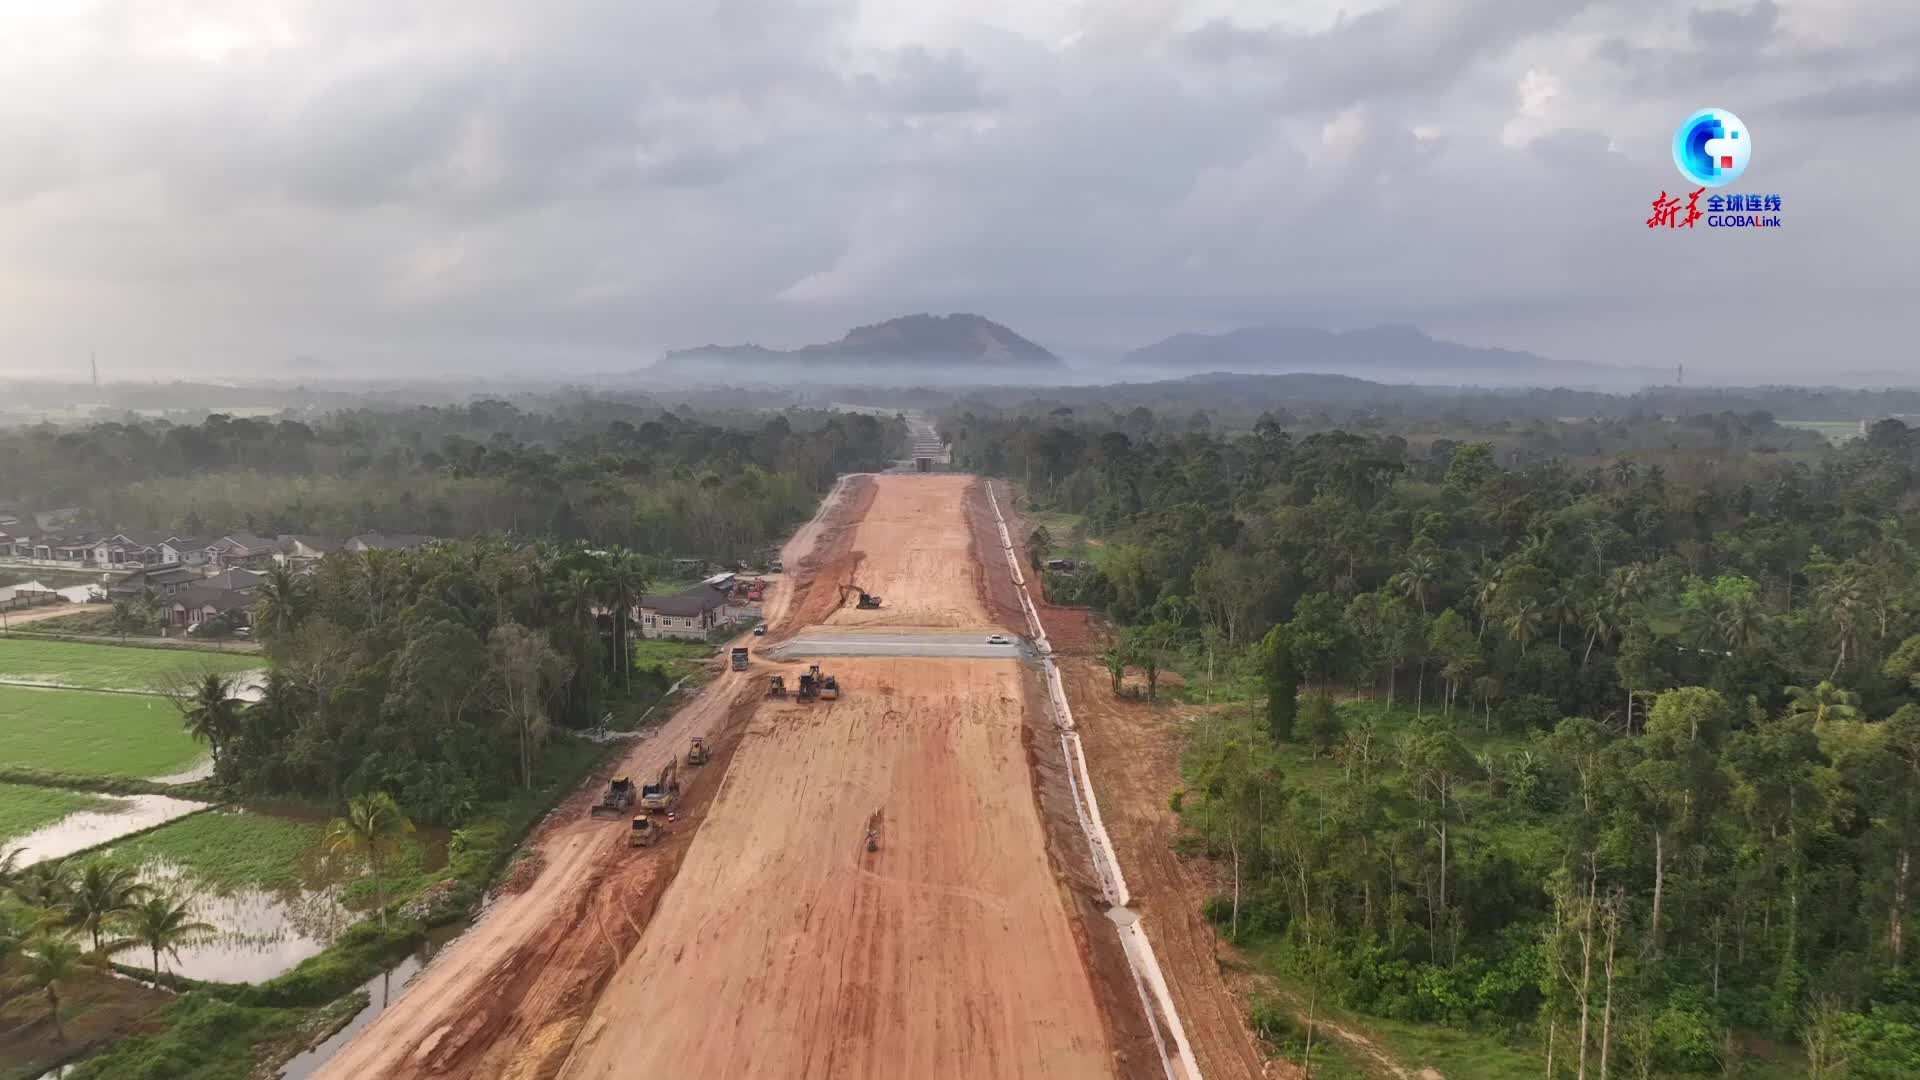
column 908, row 341
column 1395, row 348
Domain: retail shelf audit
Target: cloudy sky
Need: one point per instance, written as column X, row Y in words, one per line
column 201, row 186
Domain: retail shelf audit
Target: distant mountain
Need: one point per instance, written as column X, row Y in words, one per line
column 1392, row 351
column 919, row 347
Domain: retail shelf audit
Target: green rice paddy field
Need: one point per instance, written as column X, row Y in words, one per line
column 110, row 667
column 80, row 731
column 24, row 809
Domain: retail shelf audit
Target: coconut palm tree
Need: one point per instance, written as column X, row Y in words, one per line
column 44, row 885
column 163, row 924
column 211, row 711
column 371, row 825
column 281, row 602
column 622, row 581
column 1523, row 624
column 1845, row 601
column 101, row 894
column 51, row 961
column 1417, row 579
column 1822, row 703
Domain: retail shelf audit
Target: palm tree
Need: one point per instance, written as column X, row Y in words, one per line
column 371, row 824
column 163, row 924
column 622, row 580
column 1523, row 625
column 281, row 602
column 1484, row 591
column 1740, row 622
column 101, row 894
column 211, row 711
column 45, row 885
column 51, row 961
column 1845, row 599
column 1822, row 703
column 1416, row 580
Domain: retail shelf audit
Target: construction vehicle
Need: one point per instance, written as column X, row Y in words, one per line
column 866, row 599
column 644, row 832
column 777, row 686
column 739, row 659
column 664, row 793
column 697, row 753
column 829, row 688
column 614, row 803
column 809, row 686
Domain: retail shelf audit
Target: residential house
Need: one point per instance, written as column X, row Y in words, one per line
column 123, row 551
column 243, row 549
column 196, row 604
column 688, row 615
column 305, row 549
column 164, row 581
column 187, row 550
column 387, row 542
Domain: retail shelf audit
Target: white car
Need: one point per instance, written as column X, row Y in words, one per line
column 998, row 639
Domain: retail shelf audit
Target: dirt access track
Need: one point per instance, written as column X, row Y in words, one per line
column 962, row 946
column 763, row 939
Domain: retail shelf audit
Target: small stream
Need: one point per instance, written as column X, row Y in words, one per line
column 382, row 990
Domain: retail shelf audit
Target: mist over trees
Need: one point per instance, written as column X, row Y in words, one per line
column 602, row 471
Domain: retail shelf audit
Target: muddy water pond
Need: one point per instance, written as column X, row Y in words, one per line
column 121, row 815
column 269, row 911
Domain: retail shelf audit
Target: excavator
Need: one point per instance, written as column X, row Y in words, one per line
column 664, row 793
column 866, row 599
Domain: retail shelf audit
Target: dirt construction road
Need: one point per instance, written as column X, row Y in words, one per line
column 762, row 938
column 785, row 948
column 506, row 996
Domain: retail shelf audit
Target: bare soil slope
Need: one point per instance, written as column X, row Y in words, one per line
column 785, row 948
column 912, row 549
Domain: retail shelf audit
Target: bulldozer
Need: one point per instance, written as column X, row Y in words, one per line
column 664, row 793
column 866, row 599
column 777, row 686
column 809, row 686
column 697, row 753
column 644, row 832
column 614, row 803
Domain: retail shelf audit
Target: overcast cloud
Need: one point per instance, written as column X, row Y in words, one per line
column 223, row 186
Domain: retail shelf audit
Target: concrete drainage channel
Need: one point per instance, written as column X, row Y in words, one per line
column 1148, row 979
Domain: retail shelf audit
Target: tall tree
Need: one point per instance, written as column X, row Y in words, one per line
column 101, row 894
column 163, row 924
column 372, row 825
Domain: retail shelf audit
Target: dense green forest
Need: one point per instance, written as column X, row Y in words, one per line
column 1613, row 760
column 433, row 674
column 607, row 471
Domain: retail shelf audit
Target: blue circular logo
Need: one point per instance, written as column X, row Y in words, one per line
column 1712, row 148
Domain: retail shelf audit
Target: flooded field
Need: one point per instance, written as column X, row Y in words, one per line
column 114, row 817
column 266, row 881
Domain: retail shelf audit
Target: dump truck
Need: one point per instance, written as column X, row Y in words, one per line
column 614, row 803
column 664, row 793
column 644, row 832
column 697, row 753
column 777, row 686
column 739, row 659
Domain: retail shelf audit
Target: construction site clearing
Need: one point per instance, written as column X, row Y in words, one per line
column 882, row 870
